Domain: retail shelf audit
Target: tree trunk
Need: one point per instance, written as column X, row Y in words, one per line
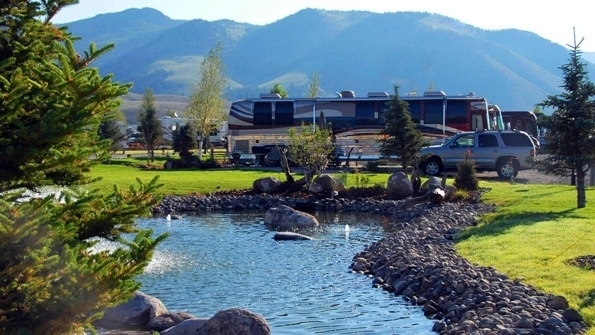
column 285, row 164
column 580, row 188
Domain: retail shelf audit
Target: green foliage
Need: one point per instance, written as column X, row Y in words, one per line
column 51, row 282
column 571, row 144
column 361, row 181
column 50, row 99
column 310, row 149
column 184, row 139
column 314, row 85
column 206, row 101
column 466, row 178
column 401, row 136
column 149, row 125
column 277, row 88
column 109, row 130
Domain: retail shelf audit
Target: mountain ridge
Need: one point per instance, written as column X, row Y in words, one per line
column 351, row 50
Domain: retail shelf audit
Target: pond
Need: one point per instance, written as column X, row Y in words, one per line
column 218, row 261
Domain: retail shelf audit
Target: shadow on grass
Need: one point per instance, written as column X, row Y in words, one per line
column 588, row 300
column 501, row 222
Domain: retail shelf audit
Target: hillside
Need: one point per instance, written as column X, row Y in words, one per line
column 351, row 50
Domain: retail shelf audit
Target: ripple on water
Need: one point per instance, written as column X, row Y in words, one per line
column 218, row 261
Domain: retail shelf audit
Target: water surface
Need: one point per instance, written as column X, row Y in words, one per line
column 218, row 261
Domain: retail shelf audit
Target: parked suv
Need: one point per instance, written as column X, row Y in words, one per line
column 504, row 151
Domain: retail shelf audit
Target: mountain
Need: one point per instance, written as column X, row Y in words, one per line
column 351, row 50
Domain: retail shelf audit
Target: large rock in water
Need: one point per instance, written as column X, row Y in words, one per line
column 134, row 314
column 238, row 322
column 399, row 186
column 284, row 217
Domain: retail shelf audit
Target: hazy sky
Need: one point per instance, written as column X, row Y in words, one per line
column 553, row 20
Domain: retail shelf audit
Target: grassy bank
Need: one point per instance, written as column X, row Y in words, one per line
column 534, row 232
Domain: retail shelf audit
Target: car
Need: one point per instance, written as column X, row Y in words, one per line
column 505, row 151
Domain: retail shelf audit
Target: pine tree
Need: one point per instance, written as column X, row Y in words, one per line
column 401, row 137
column 53, row 102
column 109, row 130
column 184, row 140
column 149, row 125
column 571, row 128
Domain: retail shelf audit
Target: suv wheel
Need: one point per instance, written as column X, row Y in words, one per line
column 432, row 167
column 507, row 167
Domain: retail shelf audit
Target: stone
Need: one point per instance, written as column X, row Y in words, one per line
column 168, row 320
column 193, row 326
column 329, row 183
column 238, row 322
column 399, row 186
column 266, row 185
column 284, row 217
column 134, row 314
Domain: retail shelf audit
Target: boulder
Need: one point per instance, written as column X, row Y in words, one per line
column 237, row 321
column 284, row 217
column 134, row 314
column 266, row 185
column 168, row 320
column 290, row 236
column 193, row 326
column 399, row 186
column 329, row 183
column 430, row 184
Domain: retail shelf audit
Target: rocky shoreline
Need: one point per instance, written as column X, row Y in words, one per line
column 419, row 263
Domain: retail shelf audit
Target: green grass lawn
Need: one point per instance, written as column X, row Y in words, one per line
column 534, row 232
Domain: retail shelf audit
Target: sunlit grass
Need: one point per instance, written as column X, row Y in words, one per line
column 534, row 232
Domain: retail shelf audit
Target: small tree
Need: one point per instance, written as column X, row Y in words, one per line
column 310, row 149
column 314, row 85
column 466, row 178
column 571, row 130
column 110, row 131
column 401, row 137
column 149, row 125
column 277, row 88
column 184, row 140
column 206, row 101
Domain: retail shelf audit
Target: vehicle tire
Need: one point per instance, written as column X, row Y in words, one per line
column 432, row 167
column 267, row 160
column 507, row 168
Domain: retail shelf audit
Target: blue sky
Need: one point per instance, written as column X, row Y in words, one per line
column 553, row 20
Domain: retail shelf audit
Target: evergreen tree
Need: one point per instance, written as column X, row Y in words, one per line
column 110, row 131
column 184, row 140
column 149, row 125
column 51, row 282
column 277, row 88
column 401, row 137
column 571, row 128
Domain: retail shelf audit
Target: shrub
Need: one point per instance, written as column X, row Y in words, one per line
column 466, row 178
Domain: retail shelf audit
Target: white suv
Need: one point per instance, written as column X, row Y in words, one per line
column 504, row 151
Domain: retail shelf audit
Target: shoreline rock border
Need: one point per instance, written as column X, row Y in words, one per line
column 419, row 263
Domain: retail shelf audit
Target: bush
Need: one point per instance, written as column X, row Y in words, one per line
column 210, row 163
column 466, row 178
